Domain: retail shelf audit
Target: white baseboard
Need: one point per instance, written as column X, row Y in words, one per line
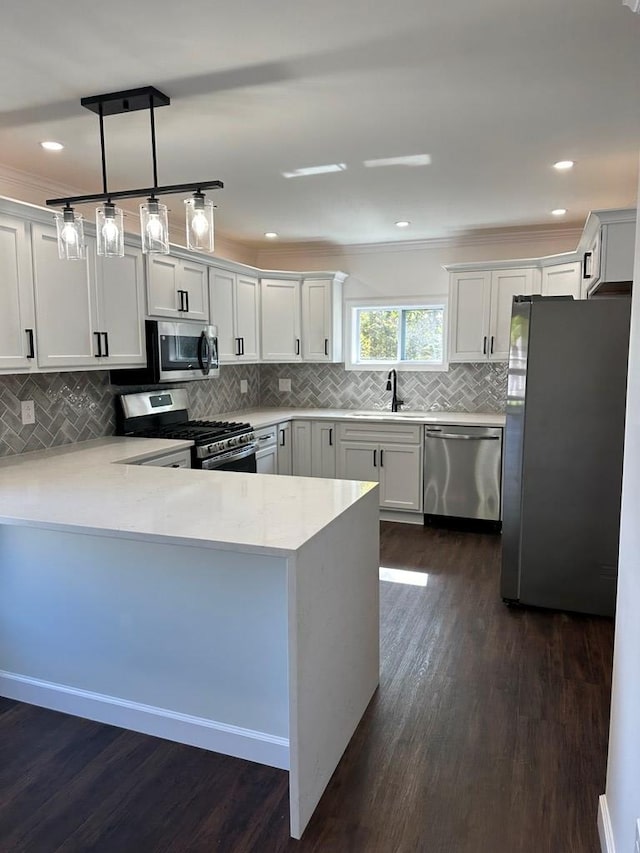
column 605, row 831
column 402, row 516
column 160, row 722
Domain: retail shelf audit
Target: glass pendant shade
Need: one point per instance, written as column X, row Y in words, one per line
column 110, row 231
column 199, row 220
column 154, row 228
column 70, row 230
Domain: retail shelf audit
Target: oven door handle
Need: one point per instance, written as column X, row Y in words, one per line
column 230, row 456
column 204, row 353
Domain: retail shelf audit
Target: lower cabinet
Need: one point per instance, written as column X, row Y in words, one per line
column 386, row 454
column 267, row 452
column 323, row 449
column 285, row 456
column 302, row 465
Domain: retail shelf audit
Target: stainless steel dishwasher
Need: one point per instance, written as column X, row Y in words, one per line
column 462, row 471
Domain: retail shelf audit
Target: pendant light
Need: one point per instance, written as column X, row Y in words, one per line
column 154, row 222
column 70, row 230
column 110, row 231
column 154, row 227
column 199, row 223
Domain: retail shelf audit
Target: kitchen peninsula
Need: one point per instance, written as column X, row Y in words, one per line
column 228, row 611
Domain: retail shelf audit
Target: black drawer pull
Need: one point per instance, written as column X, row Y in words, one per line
column 282, row 438
column 375, row 452
column 330, row 436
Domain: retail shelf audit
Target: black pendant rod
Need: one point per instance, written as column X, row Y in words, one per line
column 102, row 149
column 171, row 189
column 153, row 142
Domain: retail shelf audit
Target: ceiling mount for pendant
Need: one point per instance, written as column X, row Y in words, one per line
column 153, row 215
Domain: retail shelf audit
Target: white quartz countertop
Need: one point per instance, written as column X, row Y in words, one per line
column 266, row 417
column 82, row 488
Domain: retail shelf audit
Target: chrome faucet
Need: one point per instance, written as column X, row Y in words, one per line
column 392, row 385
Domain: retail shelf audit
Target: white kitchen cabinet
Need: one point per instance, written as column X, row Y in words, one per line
column 285, row 455
column 267, row 460
column 235, row 301
column 301, row 445
column 120, row 310
column 88, row 313
column 17, row 313
column 562, row 280
column 177, row 289
column 607, row 249
column 323, row 449
column 322, row 320
column 65, row 302
column 280, row 320
column 385, row 453
column 481, row 302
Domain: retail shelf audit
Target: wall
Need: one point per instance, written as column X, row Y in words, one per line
column 623, row 772
column 80, row 406
column 465, row 388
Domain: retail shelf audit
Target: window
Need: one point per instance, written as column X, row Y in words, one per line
column 410, row 336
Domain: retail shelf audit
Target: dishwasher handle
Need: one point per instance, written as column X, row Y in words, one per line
column 462, row 437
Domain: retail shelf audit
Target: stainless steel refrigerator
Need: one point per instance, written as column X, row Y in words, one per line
column 563, row 452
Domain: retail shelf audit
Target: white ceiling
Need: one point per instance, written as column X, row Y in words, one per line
column 494, row 90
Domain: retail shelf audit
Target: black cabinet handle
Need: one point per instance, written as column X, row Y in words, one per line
column 382, row 458
column 484, row 345
column 242, row 346
column 585, row 259
column 237, row 340
column 282, row 438
column 492, row 339
column 297, row 346
column 106, row 343
column 375, row 453
column 32, row 350
column 99, row 340
column 330, row 436
column 180, row 297
column 326, row 346
column 186, row 296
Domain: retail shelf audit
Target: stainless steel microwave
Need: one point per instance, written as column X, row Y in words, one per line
column 176, row 352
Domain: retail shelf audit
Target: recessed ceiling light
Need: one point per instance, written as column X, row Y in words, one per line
column 564, row 165
column 52, row 146
column 315, row 170
column 409, row 160
column 559, row 211
column 270, row 235
column 403, row 223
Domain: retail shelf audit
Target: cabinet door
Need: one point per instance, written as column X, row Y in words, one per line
column 470, row 309
column 121, row 308
column 267, row 460
column 301, row 448
column 358, row 460
column 65, row 295
column 163, row 273
column 317, row 333
column 505, row 284
column 221, row 289
column 247, row 317
column 323, row 449
column 591, row 263
column 401, row 477
column 562, row 280
column 280, row 326
column 17, row 320
column 285, row 458
column 194, row 280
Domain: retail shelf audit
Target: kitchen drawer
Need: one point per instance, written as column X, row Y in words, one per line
column 177, row 459
column 394, row 433
column 266, row 436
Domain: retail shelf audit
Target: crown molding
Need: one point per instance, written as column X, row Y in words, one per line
column 477, row 238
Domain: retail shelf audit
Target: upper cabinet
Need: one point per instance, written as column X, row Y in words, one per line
column 302, row 321
column 177, row 288
column 234, row 303
column 17, row 318
column 607, row 250
column 88, row 313
column 480, row 314
column 562, row 280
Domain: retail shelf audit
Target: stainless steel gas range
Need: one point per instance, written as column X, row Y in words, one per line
column 219, row 445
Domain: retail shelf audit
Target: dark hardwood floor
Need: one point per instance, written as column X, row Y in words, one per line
column 488, row 734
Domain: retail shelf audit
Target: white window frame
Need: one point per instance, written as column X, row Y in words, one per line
column 351, row 338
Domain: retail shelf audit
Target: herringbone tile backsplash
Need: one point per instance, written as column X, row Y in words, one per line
column 78, row 406
column 464, row 388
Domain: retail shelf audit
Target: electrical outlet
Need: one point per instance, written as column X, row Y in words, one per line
column 28, row 411
column 284, row 385
column 244, row 386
